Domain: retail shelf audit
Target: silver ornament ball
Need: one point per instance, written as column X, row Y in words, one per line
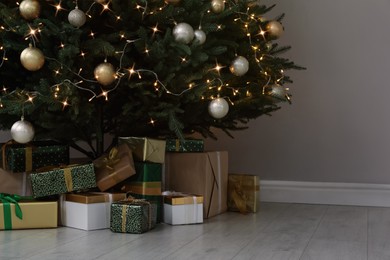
column 22, row 131
column 277, row 91
column 200, row 36
column 77, row 18
column 274, row 29
column 218, row 108
column 239, row 66
column 183, row 33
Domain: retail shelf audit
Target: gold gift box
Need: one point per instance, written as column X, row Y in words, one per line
column 243, row 193
column 36, row 214
column 94, row 197
column 112, row 169
column 146, row 149
column 183, row 199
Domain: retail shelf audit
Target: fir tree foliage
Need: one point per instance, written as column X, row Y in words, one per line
column 162, row 88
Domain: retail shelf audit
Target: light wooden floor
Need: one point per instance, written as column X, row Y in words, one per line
column 278, row 231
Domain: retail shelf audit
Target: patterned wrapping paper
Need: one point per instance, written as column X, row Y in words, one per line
column 29, row 157
column 189, row 145
column 63, row 180
column 18, row 213
column 134, row 216
column 145, row 149
column 158, row 200
column 113, row 168
column 243, row 192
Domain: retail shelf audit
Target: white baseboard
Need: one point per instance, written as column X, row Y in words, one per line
column 358, row 194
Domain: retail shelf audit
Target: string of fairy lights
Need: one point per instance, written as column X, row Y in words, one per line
column 106, row 75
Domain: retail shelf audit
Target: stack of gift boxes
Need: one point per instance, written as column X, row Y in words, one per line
column 139, row 183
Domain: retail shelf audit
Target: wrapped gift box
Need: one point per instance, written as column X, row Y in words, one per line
column 88, row 211
column 243, row 192
column 188, row 145
column 205, row 174
column 182, row 208
column 35, row 214
column 34, row 155
column 63, row 180
column 15, row 183
column 133, row 216
column 146, row 149
column 114, row 167
column 146, row 184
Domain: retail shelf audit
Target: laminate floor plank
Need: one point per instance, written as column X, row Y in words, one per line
column 279, row 231
column 379, row 233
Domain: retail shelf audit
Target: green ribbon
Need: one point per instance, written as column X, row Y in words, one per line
column 7, row 199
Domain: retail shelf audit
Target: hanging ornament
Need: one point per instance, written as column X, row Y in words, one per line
column 217, row 6
column 32, row 58
column 277, row 91
column 77, row 17
column 101, row 1
column 274, row 29
column 173, row 2
column 218, row 108
column 22, row 131
column 200, row 36
column 239, row 66
column 105, row 73
column 29, row 9
column 183, row 33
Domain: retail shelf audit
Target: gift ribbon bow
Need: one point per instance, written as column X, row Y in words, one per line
column 110, row 160
column 7, row 199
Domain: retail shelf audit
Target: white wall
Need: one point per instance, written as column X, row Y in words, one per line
column 338, row 127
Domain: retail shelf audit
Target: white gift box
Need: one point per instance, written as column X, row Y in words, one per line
column 88, row 211
column 182, row 209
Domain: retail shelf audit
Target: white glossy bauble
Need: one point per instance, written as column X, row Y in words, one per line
column 239, row 66
column 200, row 36
column 183, row 33
column 22, row 131
column 218, row 108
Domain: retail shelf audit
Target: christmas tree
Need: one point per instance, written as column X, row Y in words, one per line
column 77, row 70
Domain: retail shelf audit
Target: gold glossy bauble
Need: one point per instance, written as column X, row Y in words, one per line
column 105, row 73
column 29, row 9
column 274, row 29
column 101, row 1
column 173, row 2
column 217, row 6
column 32, row 58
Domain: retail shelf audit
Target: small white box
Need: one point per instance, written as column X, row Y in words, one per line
column 183, row 209
column 88, row 211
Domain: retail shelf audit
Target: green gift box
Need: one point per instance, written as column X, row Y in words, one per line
column 146, row 184
column 187, row 145
column 133, row 216
column 63, row 180
column 34, row 155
